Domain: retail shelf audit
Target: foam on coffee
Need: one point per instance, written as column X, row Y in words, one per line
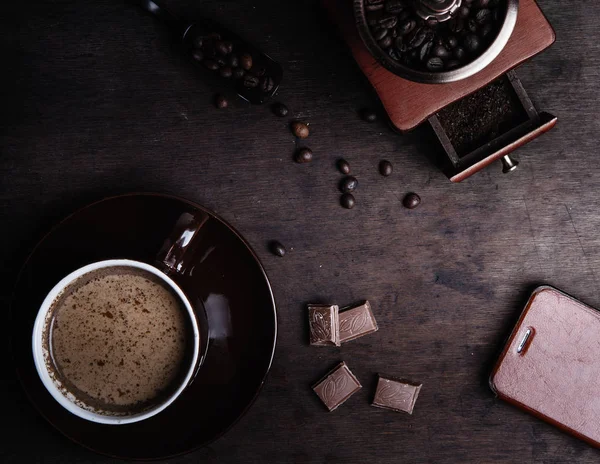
column 119, row 339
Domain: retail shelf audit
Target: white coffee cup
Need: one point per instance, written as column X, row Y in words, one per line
column 42, row 359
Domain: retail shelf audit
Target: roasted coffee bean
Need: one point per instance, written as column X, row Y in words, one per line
column 304, row 155
column 267, row 84
column 380, row 33
column 394, row 6
column 220, row 61
column 198, row 41
column 483, row 16
column 221, row 47
column 368, row 115
column 405, row 27
column 300, row 130
column 388, row 22
column 459, row 53
column 246, row 61
column 280, row 109
column 425, row 49
column 386, row 42
column 441, row 51
column 226, row 72
column 198, row 55
column 411, row 201
column 471, row 43
column 394, row 33
column 472, row 25
column 452, row 41
column 435, row 63
column 238, row 73
column 464, row 11
column 456, row 25
column 385, row 168
column 374, row 17
column 400, row 45
column 374, row 5
column 432, row 22
column 250, row 81
column 221, row 102
column 233, row 61
column 211, row 64
column 277, row 248
column 452, row 64
column 486, row 30
column 347, row 200
column 419, row 36
column 343, row 166
column 348, row 184
column 496, row 14
column 393, row 54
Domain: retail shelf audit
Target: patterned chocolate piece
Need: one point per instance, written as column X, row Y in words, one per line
column 356, row 322
column 337, row 386
column 324, row 325
column 396, row 395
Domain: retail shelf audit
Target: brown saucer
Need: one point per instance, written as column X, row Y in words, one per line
column 227, row 279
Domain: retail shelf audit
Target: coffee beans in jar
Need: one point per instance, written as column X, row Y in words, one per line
column 431, row 45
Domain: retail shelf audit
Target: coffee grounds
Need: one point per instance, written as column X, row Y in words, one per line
column 480, row 117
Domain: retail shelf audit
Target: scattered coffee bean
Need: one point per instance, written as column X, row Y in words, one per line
column 348, row 184
column 347, row 200
column 411, row 201
column 221, row 102
column 250, row 81
column 226, row 72
column 368, row 115
column 277, row 248
column 385, row 168
column 267, row 84
column 343, row 166
column 221, row 47
column 280, row 110
column 304, row 155
column 211, row 64
column 238, row 73
column 198, row 41
column 233, row 61
column 246, row 61
column 198, row 55
column 300, row 130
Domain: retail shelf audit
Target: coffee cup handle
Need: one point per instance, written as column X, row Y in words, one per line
column 172, row 257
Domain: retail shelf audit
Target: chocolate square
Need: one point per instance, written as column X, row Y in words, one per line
column 337, row 386
column 324, row 325
column 356, row 322
column 396, row 395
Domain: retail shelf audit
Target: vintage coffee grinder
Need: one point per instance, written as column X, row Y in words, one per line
column 449, row 63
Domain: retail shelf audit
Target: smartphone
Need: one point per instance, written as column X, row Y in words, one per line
column 550, row 366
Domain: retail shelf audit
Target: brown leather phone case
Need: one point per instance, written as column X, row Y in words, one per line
column 550, row 366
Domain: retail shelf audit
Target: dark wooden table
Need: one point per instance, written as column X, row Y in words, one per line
column 95, row 102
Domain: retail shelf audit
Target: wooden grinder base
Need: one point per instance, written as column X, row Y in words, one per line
column 408, row 103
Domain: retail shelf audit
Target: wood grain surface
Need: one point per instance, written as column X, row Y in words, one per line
column 96, row 102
